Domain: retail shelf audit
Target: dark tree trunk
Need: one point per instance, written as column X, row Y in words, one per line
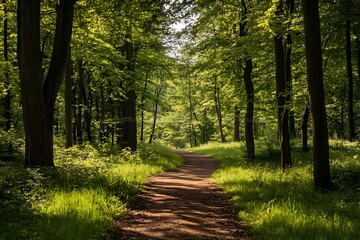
column 142, row 104
column 322, row 177
column 304, row 127
column 81, row 100
column 37, row 96
column 157, row 93
column 281, row 94
column 218, row 109
column 102, row 113
column 249, row 117
column 88, row 109
column 68, row 103
column 249, row 86
column 237, row 124
column 191, row 114
column 288, row 75
column 128, row 106
column 7, row 98
column 350, row 83
column 74, row 111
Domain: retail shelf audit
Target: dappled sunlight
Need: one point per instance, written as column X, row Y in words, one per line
column 278, row 204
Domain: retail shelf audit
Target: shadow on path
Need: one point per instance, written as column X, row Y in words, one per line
column 181, row 204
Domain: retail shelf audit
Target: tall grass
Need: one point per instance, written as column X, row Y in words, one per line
column 80, row 198
column 283, row 205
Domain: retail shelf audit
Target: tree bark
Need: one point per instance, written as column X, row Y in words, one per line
column 249, row 87
column 281, row 95
column 142, row 104
column 249, row 117
column 237, row 124
column 128, row 106
column 304, row 127
column 7, row 98
column 38, row 96
column 288, row 75
column 322, row 177
column 218, row 109
column 157, row 93
column 68, row 103
column 350, row 83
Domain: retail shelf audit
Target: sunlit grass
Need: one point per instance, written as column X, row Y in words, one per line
column 79, row 199
column 283, row 205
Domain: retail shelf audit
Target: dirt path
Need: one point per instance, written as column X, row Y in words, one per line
column 181, row 204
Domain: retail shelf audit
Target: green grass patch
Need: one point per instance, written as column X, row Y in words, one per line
column 283, row 205
column 80, row 198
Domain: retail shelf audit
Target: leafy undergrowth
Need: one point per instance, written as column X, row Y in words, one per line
column 80, row 198
column 283, row 205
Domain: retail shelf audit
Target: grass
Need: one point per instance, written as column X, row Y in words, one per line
column 80, row 198
column 283, row 205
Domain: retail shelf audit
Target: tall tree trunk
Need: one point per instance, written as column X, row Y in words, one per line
column 281, row 94
column 350, row 83
column 322, row 177
column 288, row 75
column 237, row 124
column 102, row 114
column 68, row 103
column 88, row 109
column 249, row 87
column 218, row 109
column 128, row 106
column 7, row 98
column 157, row 93
column 37, row 96
column 142, row 104
column 249, row 117
column 304, row 127
column 191, row 114
column 74, row 111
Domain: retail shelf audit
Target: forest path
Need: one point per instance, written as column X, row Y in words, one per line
column 181, row 204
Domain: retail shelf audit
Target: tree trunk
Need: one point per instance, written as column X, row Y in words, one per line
column 191, row 114
column 322, row 177
column 68, row 103
column 304, row 127
column 37, row 96
column 142, row 104
column 88, row 109
column 218, row 109
column 7, row 98
column 157, row 92
column 249, row 87
column 237, row 124
column 249, row 117
column 350, row 83
column 281, row 94
column 288, row 75
column 128, row 106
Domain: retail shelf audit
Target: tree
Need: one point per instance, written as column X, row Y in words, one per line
column 38, row 96
column 282, row 89
column 322, row 177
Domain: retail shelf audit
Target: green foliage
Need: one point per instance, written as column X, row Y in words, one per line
column 283, row 205
column 78, row 199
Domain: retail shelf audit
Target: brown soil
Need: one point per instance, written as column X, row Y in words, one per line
column 181, row 204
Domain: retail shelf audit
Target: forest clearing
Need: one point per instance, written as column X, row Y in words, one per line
column 191, row 119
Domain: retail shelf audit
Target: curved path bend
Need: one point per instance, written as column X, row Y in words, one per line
column 181, row 204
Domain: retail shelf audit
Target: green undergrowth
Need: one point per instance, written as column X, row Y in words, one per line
column 80, row 198
column 284, row 205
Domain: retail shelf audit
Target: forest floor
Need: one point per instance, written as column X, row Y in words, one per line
column 181, row 204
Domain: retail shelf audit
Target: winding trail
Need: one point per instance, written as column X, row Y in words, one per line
column 181, row 204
